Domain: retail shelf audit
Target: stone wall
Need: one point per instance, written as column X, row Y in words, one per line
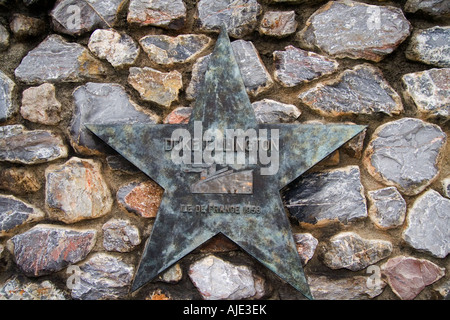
column 370, row 222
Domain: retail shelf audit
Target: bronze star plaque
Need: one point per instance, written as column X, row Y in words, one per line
column 222, row 173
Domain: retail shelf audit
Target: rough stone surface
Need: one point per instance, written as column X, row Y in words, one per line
column 172, row 275
column 45, row 249
column 141, row 198
column 15, row 213
column 102, row 103
column 119, row 163
column 20, row 288
column 321, row 197
column 19, row 180
column 349, row 250
column 278, row 23
column 19, row 145
column 7, row 105
column 271, row 111
column 446, row 187
column 408, row 276
column 82, row 180
column 429, row 91
column 428, row 224
column 295, row 66
column 120, row 235
column 306, row 246
column 435, row 8
column 217, row 279
column 405, row 154
column 103, row 277
column 361, row 90
column 239, row 16
column 56, row 60
column 24, row 27
column 4, row 38
column 356, row 145
column 169, row 14
column 387, row 208
column 178, row 115
column 430, row 46
column 156, row 86
column 350, row 29
column 75, row 17
column 39, row 104
column 119, row 49
column 167, row 50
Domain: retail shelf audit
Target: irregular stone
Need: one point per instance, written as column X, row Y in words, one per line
column 350, row 29
column 178, row 115
column 103, row 277
column 119, row 49
column 21, row 288
column 321, row 197
column 405, row 154
column 427, row 224
column 434, row 8
column 19, row 145
column 271, row 111
column 26, row 27
column 158, row 295
column 429, row 91
column 15, row 213
column 75, row 17
column 408, row 276
column 387, row 208
column 169, row 14
column 355, row 288
column 55, row 60
column 306, row 246
column 430, row 46
column 7, row 105
column 4, row 38
column 19, row 180
column 120, row 235
column 350, row 251
column 102, row 103
column 39, row 104
column 361, row 90
column 217, row 279
column 81, row 179
column 295, row 66
column 355, row 146
column 443, row 290
column 446, row 186
column 45, row 249
column 156, row 86
column 172, row 275
column 278, row 23
column 141, row 198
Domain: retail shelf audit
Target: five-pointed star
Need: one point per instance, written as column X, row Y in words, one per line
column 266, row 235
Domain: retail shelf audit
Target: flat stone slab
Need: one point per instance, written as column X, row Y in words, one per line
column 271, row 111
column 361, row 90
column 405, row 154
column 120, row 235
column 430, row 46
column 141, row 198
column 170, row 14
column 350, row 29
column 387, row 208
column 39, row 104
column 429, row 91
column 278, row 24
column 427, row 224
column 434, row 8
column 7, row 105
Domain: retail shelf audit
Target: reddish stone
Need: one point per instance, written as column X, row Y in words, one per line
column 141, row 198
column 178, row 115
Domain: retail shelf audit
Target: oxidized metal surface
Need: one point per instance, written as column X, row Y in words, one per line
column 234, row 190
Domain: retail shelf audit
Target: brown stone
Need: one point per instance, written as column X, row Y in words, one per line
column 39, row 104
column 19, row 180
column 141, row 198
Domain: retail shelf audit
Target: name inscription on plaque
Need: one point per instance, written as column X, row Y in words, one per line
column 220, row 208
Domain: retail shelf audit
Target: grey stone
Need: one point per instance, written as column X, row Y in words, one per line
column 322, row 197
column 361, row 90
column 102, row 103
column 428, row 90
column 428, row 224
column 21, row 288
column 167, row 50
column 434, row 8
column 76, row 191
column 4, row 38
column 295, row 66
column 56, row 60
column 75, row 17
column 15, row 213
column 7, row 105
column 26, row 27
column 278, row 23
column 271, row 111
column 405, row 153
column 19, row 180
column 446, row 186
column 349, row 250
column 169, row 14
column 19, row 145
column 120, row 235
column 306, row 246
column 355, row 146
column 387, row 208
column 239, row 16
column 39, row 104
column 350, row 29
column 430, row 46
column 119, row 49
column 103, row 277
column 45, row 249
column 172, row 275
column 217, row 279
